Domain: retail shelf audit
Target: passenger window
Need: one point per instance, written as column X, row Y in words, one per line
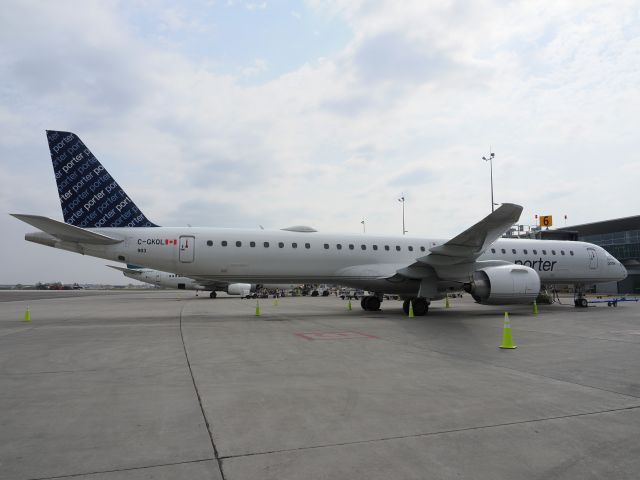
column 326, row 246
column 386, row 247
column 422, row 249
column 281, row 244
column 544, row 252
column 493, row 250
column 571, row 252
column 513, row 250
column 238, row 244
column 561, row 252
column 339, row 246
column 223, row 243
column 351, row 246
column 363, row 247
column 553, row 252
column 266, row 244
column 294, row 245
column 398, row 247
column 252, row 244
column 209, row 243
column 503, row 251
column 535, row 252
column 307, row 245
column 375, row 247
column 525, row 251
column 410, row 248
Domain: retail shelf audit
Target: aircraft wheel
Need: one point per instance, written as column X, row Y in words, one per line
column 583, row 303
column 420, row 307
column 363, row 303
column 371, row 304
column 213, row 295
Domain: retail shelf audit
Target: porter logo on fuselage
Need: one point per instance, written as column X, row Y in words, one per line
column 540, row 264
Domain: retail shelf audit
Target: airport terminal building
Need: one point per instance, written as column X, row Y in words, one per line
column 621, row 238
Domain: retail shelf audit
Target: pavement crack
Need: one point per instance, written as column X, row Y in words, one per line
column 431, row 434
column 195, row 386
column 97, row 472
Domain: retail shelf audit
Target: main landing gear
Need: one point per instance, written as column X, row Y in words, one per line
column 213, row 294
column 420, row 306
column 371, row 303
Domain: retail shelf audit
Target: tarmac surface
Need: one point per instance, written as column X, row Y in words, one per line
column 166, row 385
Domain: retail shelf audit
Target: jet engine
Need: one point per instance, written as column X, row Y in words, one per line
column 503, row 285
column 242, row 289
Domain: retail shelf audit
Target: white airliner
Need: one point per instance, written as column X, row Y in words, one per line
column 102, row 221
column 172, row 280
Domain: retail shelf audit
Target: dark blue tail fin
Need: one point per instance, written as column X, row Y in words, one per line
column 89, row 196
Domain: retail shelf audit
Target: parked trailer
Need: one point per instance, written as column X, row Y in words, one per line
column 613, row 302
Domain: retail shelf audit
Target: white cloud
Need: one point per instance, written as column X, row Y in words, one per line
column 410, row 104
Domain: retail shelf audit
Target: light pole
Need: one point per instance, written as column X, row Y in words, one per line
column 490, row 160
column 401, row 200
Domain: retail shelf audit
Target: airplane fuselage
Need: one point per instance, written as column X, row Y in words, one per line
column 262, row 256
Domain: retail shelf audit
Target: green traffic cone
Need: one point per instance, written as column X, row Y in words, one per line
column 27, row 315
column 535, row 307
column 257, row 308
column 411, row 315
column 507, row 340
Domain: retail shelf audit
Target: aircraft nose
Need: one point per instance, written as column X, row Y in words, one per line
column 623, row 273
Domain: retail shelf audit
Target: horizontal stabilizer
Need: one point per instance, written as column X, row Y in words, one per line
column 65, row 232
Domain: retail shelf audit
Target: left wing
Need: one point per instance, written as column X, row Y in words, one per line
column 465, row 248
column 472, row 243
column 131, row 271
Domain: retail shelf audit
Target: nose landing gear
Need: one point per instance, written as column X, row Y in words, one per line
column 578, row 297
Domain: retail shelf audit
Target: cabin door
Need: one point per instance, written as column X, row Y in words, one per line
column 187, row 249
column 593, row 258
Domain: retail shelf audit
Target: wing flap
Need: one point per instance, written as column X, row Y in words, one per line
column 379, row 271
column 65, row 232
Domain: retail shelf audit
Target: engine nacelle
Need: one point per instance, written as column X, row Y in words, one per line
column 505, row 284
column 242, row 289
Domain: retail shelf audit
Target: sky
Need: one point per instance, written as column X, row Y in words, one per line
column 234, row 113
